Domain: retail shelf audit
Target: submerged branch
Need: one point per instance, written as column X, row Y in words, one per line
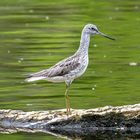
column 80, row 123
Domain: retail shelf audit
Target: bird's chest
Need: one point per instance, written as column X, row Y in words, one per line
column 84, row 64
column 84, row 60
column 82, row 67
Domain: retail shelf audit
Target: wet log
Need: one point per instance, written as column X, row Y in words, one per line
column 81, row 122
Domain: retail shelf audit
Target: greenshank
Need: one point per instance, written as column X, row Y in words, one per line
column 72, row 67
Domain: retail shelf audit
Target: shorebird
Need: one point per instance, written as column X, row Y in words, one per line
column 72, row 67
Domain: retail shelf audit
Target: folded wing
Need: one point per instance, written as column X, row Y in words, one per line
column 62, row 68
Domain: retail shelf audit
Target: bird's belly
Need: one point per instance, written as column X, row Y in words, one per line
column 56, row 79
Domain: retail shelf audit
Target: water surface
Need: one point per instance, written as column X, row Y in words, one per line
column 36, row 34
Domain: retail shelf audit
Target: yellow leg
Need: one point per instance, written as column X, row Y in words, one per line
column 67, row 101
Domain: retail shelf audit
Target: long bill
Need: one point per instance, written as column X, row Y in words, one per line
column 102, row 34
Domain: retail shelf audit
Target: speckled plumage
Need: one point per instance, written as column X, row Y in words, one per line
column 68, row 69
column 72, row 67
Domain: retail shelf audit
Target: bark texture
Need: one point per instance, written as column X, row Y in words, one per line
column 120, row 120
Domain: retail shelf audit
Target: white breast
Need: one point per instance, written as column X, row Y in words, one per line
column 81, row 68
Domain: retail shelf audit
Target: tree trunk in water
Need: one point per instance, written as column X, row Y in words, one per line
column 122, row 120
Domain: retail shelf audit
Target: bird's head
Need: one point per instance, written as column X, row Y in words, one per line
column 92, row 30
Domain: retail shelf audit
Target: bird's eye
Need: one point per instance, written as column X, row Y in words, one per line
column 93, row 29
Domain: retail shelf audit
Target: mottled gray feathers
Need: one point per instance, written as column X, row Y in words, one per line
column 62, row 68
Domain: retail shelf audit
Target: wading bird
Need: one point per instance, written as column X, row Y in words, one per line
column 72, row 67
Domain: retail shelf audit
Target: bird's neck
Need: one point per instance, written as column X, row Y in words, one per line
column 84, row 43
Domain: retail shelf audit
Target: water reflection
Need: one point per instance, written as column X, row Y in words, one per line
column 93, row 134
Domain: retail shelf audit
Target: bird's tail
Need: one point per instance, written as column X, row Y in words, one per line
column 31, row 79
column 36, row 76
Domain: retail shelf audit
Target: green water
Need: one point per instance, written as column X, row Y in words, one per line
column 35, row 34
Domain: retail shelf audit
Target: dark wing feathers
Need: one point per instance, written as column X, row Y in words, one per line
column 61, row 68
